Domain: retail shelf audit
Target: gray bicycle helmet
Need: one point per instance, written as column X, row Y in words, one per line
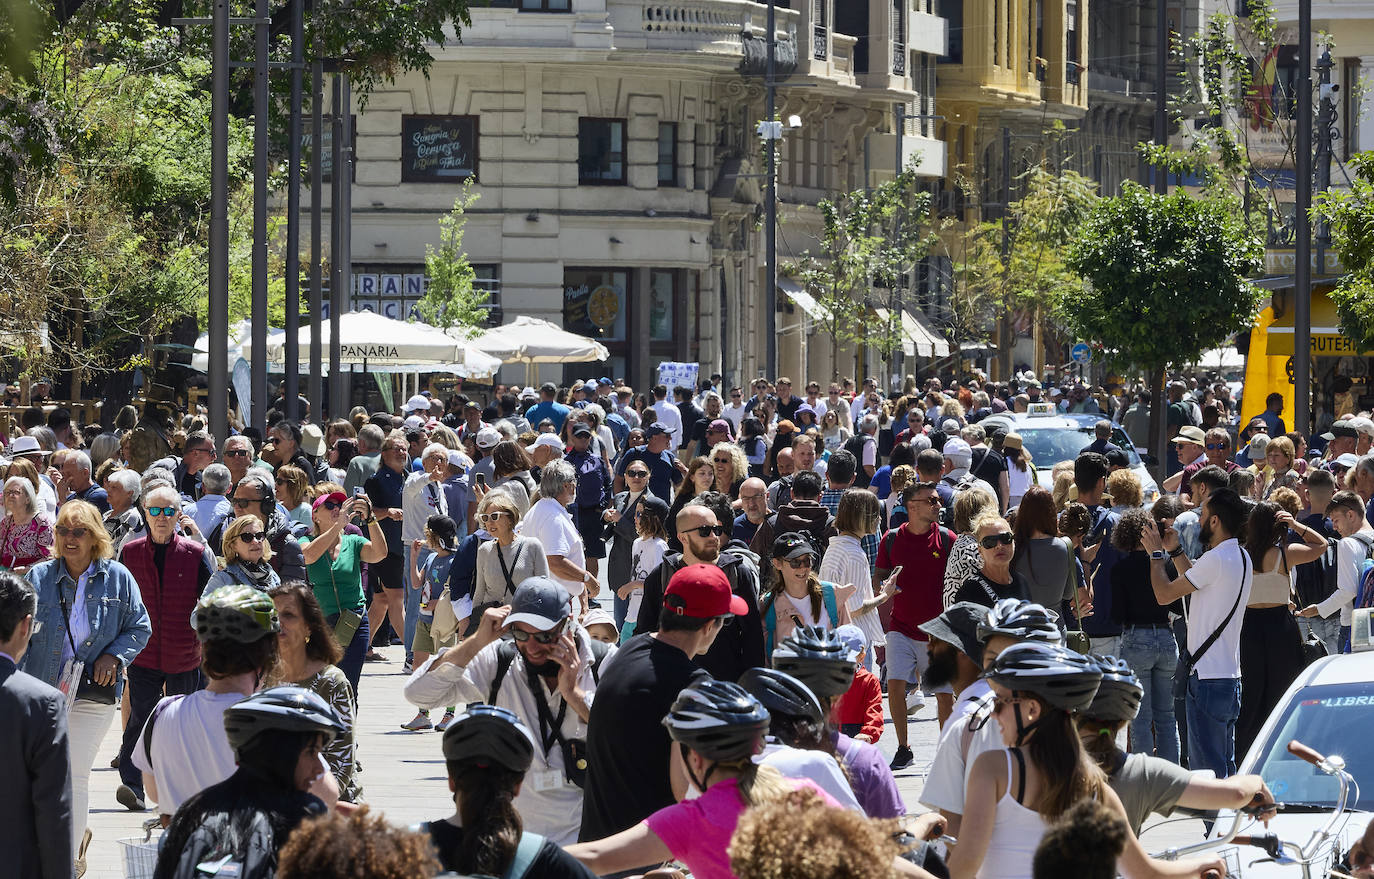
column 719, row 720
column 1061, row 677
column 489, row 735
column 1022, row 620
column 782, row 694
column 235, row 613
column 288, row 709
column 817, row 658
column 1118, row 696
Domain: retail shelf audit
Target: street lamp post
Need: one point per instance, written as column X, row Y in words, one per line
column 1302, row 251
column 770, row 297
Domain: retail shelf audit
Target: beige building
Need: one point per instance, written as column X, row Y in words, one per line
column 614, row 150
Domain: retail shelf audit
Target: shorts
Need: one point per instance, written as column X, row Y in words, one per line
column 424, row 641
column 389, row 573
column 590, row 526
column 906, row 658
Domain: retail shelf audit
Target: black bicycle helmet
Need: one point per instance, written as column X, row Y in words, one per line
column 235, row 613
column 782, row 694
column 1118, row 696
column 1061, row 677
column 1022, row 620
column 488, row 734
column 288, row 709
column 817, row 658
column 719, row 720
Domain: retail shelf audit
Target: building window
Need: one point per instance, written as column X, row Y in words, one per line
column 662, row 304
column 954, row 19
column 601, row 152
column 667, row 154
column 545, row 5
column 392, row 290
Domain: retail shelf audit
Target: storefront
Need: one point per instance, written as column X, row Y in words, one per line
column 642, row 315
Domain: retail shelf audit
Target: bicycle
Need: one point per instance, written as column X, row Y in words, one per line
column 140, row 855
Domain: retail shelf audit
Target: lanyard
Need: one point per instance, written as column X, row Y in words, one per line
column 550, row 727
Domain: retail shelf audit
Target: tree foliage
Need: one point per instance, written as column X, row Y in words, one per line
column 1350, row 214
column 1166, row 277
column 451, row 300
column 870, row 243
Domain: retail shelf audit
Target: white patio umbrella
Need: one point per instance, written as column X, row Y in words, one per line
column 532, row 340
column 386, row 345
column 240, row 334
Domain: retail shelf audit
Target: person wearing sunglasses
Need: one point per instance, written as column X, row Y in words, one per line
column 795, row 596
column 506, row 560
column 995, row 580
column 622, row 531
column 247, row 556
column 84, row 589
column 543, row 674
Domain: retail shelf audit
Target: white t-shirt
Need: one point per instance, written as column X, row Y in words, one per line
column 802, row 608
column 1350, row 555
column 645, row 555
column 421, row 498
column 816, row 766
column 734, row 414
column 670, row 418
column 969, row 700
column 948, row 778
column 549, row 523
column 190, row 750
column 1216, row 576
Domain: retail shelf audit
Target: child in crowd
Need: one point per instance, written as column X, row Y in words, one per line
column 645, row 555
column 858, row 712
column 1085, row 843
column 896, row 512
column 600, row 625
column 431, row 560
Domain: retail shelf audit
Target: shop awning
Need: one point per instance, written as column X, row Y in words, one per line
column 804, row 300
column 919, row 338
column 1327, row 340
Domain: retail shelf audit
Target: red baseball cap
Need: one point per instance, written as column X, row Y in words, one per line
column 703, row 591
column 337, row 497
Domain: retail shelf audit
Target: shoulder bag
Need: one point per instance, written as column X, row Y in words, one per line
column 346, row 626
column 1186, row 660
column 508, row 574
column 88, row 689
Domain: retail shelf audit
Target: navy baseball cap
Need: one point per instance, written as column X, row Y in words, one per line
column 540, row 602
column 655, row 429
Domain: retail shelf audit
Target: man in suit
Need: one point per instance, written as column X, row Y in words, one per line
column 36, row 811
column 620, row 528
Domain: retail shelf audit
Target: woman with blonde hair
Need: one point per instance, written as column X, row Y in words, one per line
column 833, row 432
column 1123, row 486
column 859, row 515
column 1278, row 470
column 246, row 556
column 293, row 490
column 730, row 466
column 964, row 561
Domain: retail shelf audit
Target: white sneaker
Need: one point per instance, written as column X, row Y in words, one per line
column 915, row 701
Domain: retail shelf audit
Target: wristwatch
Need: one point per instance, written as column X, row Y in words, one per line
column 1158, row 555
column 1173, row 554
column 370, row 520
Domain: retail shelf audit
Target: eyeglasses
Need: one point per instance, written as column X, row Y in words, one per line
column 637, row 474
column 77, row 532
column 492, row 517
column 799, row 563
column 1215, row 446
column 1006, row 538
column 235, row 453
column 707, row 530
column 253, row 536
column 244, row 501
column 205, row 449
column 550, row 637
column 169, row 512
column 752, row 497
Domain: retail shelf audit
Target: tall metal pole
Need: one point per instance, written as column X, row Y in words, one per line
column 293, row 219
column 315, row 393
column 1302, row 274
column 898, row 284
column 1161, row 90
column 261, row 49
column 218, row 317
column 336, row 175
column 770, row 296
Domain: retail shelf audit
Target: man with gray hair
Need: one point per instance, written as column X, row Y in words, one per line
column 124, row 522
column 421, row 497
column 550, row 523
column 213, row 506
column 364, row 464
column 238, row 457
column 864, row 447
column 76, row 481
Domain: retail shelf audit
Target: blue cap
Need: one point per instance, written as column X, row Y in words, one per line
column 540, row 602
column 852, row 637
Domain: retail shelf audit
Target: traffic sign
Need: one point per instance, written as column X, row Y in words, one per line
column 1081, row 353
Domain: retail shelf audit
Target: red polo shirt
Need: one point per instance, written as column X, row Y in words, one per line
column 922, row 558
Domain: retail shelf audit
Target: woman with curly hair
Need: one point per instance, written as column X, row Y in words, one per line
column 1125, row 490
column 1085, row 844
column 357, row 843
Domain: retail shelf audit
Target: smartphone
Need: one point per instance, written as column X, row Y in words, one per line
column 896, row 572
column 359, row 492
column 481, row 480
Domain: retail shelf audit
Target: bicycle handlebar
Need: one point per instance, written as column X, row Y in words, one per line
column 1302, row 752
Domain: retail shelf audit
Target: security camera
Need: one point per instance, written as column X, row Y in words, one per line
column 1329, row 90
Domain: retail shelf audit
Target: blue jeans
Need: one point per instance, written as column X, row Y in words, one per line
column 413, row 592
column 1213, row 708
column 1328, row 631
column 1153, row 655
column 620, row 607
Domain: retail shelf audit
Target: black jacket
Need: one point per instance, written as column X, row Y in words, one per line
column 739, row 646
column 36, row 831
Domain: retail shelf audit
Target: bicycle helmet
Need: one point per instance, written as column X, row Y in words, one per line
column 1118, row 696
column 285, row 709
column 719, row 720
column 817, row 658
column 489, row 735
column 235, row 613
column 1061, row 677
column 1022, row 620
column 782, row 694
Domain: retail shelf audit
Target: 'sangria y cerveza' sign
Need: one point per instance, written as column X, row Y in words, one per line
column 438, row 149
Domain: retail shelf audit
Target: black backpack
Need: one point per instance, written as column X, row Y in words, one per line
column 855, row 446
column 505, row 655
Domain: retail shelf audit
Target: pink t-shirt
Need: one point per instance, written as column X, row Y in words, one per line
column 698, row 831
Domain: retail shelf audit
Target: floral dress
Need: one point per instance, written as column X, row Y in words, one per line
column 25, row 545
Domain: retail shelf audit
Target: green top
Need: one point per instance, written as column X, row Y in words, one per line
column 344, row 574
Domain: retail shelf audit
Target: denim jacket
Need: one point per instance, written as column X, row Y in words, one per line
column 118, row 621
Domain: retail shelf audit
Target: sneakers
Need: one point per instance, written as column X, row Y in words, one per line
column 915, row 701
column 374, row 656
column 903, row 759
column 131, row 799
column 443, row 724
column 406, row 667
column 419, row 723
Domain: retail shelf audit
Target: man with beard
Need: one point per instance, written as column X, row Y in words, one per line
column 739, row 645
column 956, row 656
column 543, row 674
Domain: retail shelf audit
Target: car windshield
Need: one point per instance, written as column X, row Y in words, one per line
column 1050, row 445
column 1324, row 719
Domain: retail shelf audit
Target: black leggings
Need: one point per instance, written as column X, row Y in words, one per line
column 1271, row 657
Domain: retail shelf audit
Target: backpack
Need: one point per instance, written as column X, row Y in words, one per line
column 1364, row 590
column 770, row 614
column 855, row 446
column 505, row 655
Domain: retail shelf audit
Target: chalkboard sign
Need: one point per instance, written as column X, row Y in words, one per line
column 438, row 149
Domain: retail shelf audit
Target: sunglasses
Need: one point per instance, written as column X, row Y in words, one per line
column 245, row 501
column 253, row 536
column 708, row 530
column 1006, row 538
column 550, row 637
column 235, row 453
column 933, row 501
column 1215, row 446
column 735, row 396
column 64, row 531
column 799, row 563
column 637, row 474
column 491, row 517
column 723, row 460
column 163, row 511
column 331, row 506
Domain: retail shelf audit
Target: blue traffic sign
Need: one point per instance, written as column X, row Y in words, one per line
column 1081, row 353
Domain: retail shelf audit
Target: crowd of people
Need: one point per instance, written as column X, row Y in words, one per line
column 781, row 568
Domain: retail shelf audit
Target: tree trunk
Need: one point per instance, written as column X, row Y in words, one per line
column 1159, row 425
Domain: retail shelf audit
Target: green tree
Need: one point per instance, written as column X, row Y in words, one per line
column 1350, row 214
column 870, row 243
column 1166, row 281
column 452, row 301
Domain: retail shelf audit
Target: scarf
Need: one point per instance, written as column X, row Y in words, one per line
column 259, row 574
